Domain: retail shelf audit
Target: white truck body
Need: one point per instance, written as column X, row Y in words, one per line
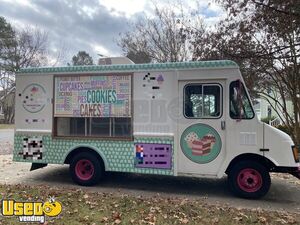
column 184, row 111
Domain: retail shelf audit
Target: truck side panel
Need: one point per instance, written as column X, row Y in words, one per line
column 34, row 141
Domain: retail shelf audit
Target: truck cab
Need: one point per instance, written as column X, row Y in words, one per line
column 218, row 131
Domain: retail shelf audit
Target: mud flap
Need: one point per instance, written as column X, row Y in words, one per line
column 35, row 166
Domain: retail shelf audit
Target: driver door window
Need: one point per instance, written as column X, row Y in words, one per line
column 240, row 106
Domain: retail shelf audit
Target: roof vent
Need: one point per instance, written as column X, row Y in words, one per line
column 114, row 60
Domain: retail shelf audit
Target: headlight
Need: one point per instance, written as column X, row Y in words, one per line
column 296, row 152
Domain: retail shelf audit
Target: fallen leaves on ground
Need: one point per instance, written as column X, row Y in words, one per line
column 91, row 208
column 286, row 177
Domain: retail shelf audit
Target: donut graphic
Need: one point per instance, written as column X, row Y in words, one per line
column 200, row 143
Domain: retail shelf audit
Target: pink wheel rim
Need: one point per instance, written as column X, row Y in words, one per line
column 249, row 180
column 84, row 169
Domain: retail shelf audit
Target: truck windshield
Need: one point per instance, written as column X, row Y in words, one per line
column 240, row 106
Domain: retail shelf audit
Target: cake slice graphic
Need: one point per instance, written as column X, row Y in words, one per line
column 200, row 147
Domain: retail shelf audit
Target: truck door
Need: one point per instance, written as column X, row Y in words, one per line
column 201, row 127
column 244, row 131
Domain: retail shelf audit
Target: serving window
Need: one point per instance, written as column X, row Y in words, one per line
column 93, row 106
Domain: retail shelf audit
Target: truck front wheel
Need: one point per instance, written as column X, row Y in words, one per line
column 249, row 179
column 86, row 169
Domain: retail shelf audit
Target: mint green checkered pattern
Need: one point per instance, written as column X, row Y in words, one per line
column 133, row 67
column 119, row 155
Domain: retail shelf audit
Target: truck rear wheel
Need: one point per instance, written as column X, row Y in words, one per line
column 86, row 169
column 249, row 179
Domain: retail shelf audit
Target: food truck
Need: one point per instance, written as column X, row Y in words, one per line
column 174, row 119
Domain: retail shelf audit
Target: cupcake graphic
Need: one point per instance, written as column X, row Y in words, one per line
column 34, row 98
column 34, row 89
column 160, row 79
column 200, row 146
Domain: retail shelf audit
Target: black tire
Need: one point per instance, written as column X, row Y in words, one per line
column 249, row 179
column 86, row 169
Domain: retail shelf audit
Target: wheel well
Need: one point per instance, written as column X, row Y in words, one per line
column 83, row 149
column 251, row 157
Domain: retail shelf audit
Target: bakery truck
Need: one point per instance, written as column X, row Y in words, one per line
column 173, row 119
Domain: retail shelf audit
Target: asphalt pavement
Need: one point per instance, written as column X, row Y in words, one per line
column 6, row 141
column 6, row 135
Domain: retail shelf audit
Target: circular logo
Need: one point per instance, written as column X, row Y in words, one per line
column 34, row 98
column 200, row 143
column 52, row 208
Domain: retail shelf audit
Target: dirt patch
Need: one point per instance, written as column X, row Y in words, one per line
column 6, row 148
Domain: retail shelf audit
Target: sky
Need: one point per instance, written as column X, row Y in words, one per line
column 91, row 25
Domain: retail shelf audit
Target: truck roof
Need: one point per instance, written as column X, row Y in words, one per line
column 132, row 67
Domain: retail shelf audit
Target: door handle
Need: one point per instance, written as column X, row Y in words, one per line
column 223, row 125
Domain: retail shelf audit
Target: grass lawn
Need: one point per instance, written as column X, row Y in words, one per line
column 7, row 126
column 94, row 208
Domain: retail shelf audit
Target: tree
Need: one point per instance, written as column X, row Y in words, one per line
column 264, row 37
column 18, row 48
column 7, row 41
column 165, row 37
column 7, row 44
column 82, row 58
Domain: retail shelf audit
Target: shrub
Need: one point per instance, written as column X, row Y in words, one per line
column 284, row 128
